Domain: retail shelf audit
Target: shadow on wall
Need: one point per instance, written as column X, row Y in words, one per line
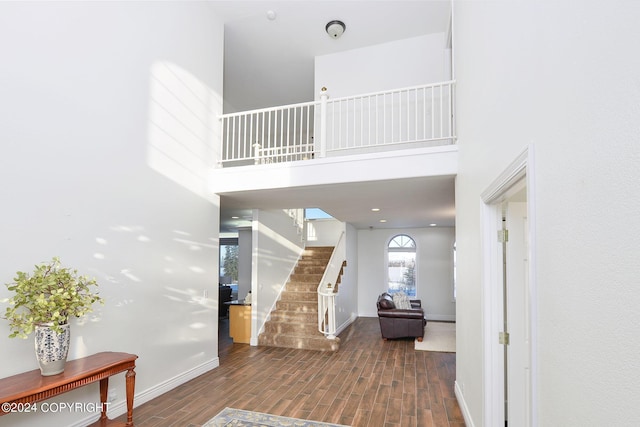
column 178, row 265
column 183, row 131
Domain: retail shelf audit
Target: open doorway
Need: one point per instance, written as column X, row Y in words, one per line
column 510, row 296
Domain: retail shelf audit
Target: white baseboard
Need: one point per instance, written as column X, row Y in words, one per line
column 463, row 406
column 120, row 407
column 344, row 326
column 441, row 317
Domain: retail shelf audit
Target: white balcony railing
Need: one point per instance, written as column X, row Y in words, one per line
column 408, row 117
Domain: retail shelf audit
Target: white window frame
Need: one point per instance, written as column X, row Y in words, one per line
column 399, row 249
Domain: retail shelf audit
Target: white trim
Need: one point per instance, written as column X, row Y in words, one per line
column 440, row 317
column 417, row 257
column 119, row 408
column 452, row 44
column 434, row 161
column 344, row 326
column 463, row 405
column 493, row 375
column 502, row 187
column 533, row 288
column 273, row 167
column 520, row 173
column 255, row 262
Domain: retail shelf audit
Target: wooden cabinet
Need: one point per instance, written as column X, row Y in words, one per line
column 240, row 322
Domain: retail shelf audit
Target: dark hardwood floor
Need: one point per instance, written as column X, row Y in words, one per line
column 368, row 382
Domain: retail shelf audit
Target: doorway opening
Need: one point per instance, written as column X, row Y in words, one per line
column 510, row 296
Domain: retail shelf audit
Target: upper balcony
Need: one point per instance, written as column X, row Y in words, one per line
column 411, row 117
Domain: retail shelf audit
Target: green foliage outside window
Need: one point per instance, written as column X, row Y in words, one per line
column 230, row 262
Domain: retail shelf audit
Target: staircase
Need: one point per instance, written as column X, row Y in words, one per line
column 294, row 322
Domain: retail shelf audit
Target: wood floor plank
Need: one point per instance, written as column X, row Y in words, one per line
column 369, row 382
column 409, row 404
column 362, row 418
column 378, row 415
column 319, row 412
column 382, row 395
column 425, row 419
column 394, row 411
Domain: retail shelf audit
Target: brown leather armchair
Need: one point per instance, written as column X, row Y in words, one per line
column 400, row 323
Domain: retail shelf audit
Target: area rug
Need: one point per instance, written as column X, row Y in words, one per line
column 438, row 336
column 239, row 417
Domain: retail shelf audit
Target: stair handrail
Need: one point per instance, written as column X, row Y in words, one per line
column 327, row 291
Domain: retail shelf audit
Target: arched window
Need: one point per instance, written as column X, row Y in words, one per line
column 401, row 265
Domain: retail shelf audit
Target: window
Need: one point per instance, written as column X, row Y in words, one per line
column 401, row 265
column 229, row 262
column 316, row 213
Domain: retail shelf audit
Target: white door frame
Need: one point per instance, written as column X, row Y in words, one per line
column 518, row 174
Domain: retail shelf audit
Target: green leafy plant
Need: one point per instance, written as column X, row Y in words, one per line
column 50, row 295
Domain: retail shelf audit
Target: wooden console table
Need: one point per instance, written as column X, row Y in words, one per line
column 19, row 392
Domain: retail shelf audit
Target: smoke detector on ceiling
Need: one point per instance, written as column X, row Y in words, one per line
column 335, row 28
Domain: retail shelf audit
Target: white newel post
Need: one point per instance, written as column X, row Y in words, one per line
column 257, row 154
column 327, row 311
column 324, row 96
column 332, row 315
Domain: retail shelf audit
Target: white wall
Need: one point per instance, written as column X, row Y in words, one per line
column 86, row 177
column 434, row 270
column 392, row 65
column 324, row 232
column 347, row 300
column 562, row 77
column 276, row 248
column 356, row 125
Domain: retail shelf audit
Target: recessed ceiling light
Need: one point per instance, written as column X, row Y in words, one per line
column 235, row 217
column 383, row 220
column 432, row 225
column 375, row 209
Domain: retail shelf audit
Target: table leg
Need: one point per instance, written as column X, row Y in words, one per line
column 104, row 387
column 131, row 385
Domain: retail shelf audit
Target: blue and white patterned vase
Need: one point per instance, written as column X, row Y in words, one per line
column 52, row 348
